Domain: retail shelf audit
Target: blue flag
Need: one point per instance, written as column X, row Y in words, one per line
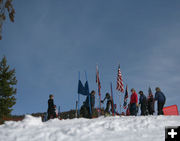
column 84, row 90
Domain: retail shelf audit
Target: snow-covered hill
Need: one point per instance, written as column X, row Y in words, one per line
column 100, row 129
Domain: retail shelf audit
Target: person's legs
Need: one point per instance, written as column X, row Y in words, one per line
column 133, row 109
column 89, row 114
column 143, row 110
column 160, row 108
column 163, row 107
column 49, row 114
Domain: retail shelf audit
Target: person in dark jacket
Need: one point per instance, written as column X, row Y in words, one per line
column 92, row 99
column 51, row 107
column 150, row 104
column 92, row 103
column 133, row 102
column 143, row 103
column 108, row 104
column 161, row 99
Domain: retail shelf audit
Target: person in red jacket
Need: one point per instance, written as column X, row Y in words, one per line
column 133, row 102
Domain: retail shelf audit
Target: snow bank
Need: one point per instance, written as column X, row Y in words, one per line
column 101, row 129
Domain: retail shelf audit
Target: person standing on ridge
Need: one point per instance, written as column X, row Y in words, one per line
column 108, row 104
column 51, row 107
column 133, row 102
column 92, row 103
column 161, row 99
column 143, row 103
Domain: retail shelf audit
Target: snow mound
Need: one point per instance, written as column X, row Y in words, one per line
column 142, row 128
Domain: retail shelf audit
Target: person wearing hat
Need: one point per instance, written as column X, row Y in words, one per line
column 133, row 102
column 143, row 103
column 161, row 99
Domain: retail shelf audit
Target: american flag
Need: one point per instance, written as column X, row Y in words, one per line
column 120, row 86
column 125, row 98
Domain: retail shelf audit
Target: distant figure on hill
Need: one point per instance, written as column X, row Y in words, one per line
column 133, row 103
column 143, row 103
column 85, row 109
column 161, row 99
column 92, row 103
column 51, row 107
column 108, row 103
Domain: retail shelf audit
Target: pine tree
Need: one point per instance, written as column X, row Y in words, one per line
column 7, row 90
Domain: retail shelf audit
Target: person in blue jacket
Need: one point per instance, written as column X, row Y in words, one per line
column 161, row 99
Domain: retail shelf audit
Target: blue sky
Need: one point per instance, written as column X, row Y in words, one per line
column 51, row 41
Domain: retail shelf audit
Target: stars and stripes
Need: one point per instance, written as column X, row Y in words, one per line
column 120, row 86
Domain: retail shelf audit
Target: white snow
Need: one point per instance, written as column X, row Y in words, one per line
column 117, row 128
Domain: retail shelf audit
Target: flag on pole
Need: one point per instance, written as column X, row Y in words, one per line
column 84, row 90
column 125, row 98
column 120, row 86
column 98, row 80
column 99, row 87
column 150, row 91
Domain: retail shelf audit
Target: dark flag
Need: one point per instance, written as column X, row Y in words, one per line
column 151, row 101
column 150, row 91
column 84, row 90
column 125, row 98
column 98, row 80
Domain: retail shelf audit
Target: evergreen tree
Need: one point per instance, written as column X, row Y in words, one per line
column 7, row 90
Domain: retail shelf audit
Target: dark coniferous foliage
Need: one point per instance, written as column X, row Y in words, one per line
column 7, row 89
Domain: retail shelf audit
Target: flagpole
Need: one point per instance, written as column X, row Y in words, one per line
column 99, row 93
column 59, row 111
column 99, row 98
column 76, row 115
column 112, row 100
column 90, row 110
column 79, row 100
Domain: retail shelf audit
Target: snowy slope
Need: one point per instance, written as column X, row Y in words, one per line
column 101, row 129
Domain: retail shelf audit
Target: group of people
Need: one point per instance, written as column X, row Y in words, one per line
column 146, row 104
